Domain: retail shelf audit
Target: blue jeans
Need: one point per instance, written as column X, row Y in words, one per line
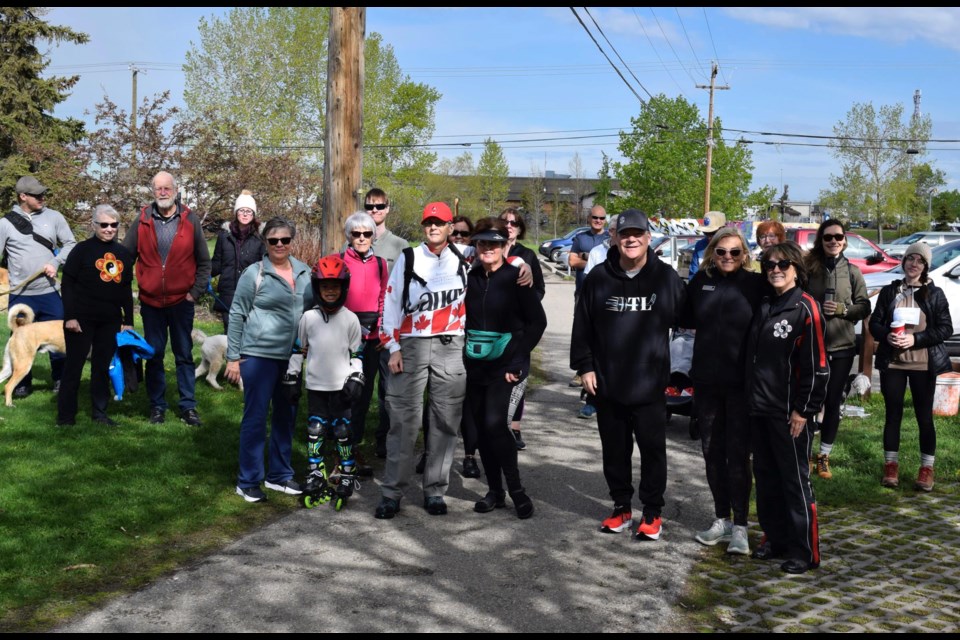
column 46, row 306
column 178, row 321
column 261, row 386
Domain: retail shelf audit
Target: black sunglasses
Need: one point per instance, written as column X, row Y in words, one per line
column 827, row 237
column 734, row 253
column 598, row 217
column 460, row 234
column 365, row 234
column 285, row 240
column 112, row 225
column 378, row 207
column 783, row 265
column 512, row 223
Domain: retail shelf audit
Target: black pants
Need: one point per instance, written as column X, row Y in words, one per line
column 619, row 424
column 102, row 337
column 487, row 405
column 371, row 365
column 840, row 366
column 725, row 438
column 786, row 506
column 893, row 386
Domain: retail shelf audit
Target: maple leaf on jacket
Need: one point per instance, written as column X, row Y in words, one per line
column 423, row 322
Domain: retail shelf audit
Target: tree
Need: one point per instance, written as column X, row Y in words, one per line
column 666, row 162
column 493, row 182
column 760, row 199
column 578, row 184
column 266, row 71
column 32, row 141
column 533, row 196
column 874, row 146
column 604, row 184
column 946, row 207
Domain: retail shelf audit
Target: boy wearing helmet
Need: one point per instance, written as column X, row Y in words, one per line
column 329, row 337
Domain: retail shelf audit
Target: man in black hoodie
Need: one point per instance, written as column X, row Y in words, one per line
column 620, row 349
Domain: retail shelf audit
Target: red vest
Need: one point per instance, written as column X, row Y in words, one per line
column 165, row 286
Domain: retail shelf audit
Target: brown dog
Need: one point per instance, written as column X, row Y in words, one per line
column 27, row 339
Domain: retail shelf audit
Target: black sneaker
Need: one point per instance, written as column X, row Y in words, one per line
column 22, row 391
column 291, row 487
column 387, row 508
column 66, row 423
column 521, row 445
column 252, row 494
column 158, row 415
column 191, row 417
column 106, row 421
column 470, row 467
column 56, row 387
column 435, row 506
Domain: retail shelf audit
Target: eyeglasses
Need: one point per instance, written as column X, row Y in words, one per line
column 364, row 234
column 831, row 237
column 734, row 253
column 244, row 212
column 110, row 225
column 273, row 241
column 915, row 257
column 512, row 223
column 598, row 217
column 769, row 236
column 163, row 189
column 460, row 234
column 783, row 265
column 379, row 207
column 38, row 196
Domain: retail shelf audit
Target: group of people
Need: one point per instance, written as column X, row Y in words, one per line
column 772, row 352
column 448, row 327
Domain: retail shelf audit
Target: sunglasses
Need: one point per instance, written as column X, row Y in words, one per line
column 378, row 207
column 364, row 234
column 830, row 237
column 598, row 217
column 433, row 223
column 274, row 241
column 783, row 265
column 460, row 234
column 111, row 225
column 734, row 253
column 512, row 223
column 37, row 196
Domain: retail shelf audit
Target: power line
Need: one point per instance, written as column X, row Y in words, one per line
column 713, row 44
column 617, row 52
column 667, row 40
column 657, row 53
column 574, row 11
column 687, row 36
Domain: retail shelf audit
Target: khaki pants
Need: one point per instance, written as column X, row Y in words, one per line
column 428, row 364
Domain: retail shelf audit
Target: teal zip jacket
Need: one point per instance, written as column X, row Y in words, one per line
column 264, row 318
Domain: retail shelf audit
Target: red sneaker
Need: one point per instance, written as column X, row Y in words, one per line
column 650, row 528
column 622, row 518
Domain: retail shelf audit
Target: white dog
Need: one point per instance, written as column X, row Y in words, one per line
column 213, row 356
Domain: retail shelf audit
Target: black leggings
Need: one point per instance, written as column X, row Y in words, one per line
column 488, row 405
column 893, row 385
column 725, row 439
column 839, row 372
column 101, row 338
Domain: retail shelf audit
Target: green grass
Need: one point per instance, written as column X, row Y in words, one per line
column 89, row 512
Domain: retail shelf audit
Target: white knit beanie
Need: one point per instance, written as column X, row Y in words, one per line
column 245, row 200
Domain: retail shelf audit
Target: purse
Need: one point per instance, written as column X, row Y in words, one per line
column 486, row 345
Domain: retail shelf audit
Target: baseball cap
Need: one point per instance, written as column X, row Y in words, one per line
column 489, row 235
column 713, row 221
column 30, row 185
column 632, row 219
column 438, row 210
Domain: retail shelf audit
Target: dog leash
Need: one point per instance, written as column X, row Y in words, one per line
column 29, row 279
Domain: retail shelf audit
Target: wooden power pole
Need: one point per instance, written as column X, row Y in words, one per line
column 343, row 157
column 710, row 143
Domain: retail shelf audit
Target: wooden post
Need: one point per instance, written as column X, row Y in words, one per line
column 343, row 157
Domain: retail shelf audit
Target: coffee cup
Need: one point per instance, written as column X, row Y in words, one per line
column 898, row 327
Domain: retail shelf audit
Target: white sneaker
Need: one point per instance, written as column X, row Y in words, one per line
column 739, row 544
column 719, row 531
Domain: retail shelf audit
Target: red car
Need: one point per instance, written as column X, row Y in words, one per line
column 859, row 251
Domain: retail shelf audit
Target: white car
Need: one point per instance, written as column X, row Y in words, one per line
column 945, row 272
column 933, row 238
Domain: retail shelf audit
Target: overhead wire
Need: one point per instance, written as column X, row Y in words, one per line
column 585, row 28
column 667, row 40
column 617, row 52
column 687, row 36
column 657, row 53
column 713, row 43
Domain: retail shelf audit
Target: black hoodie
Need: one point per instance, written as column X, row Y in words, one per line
column 621, row 328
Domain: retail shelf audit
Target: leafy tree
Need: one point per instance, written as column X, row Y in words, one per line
column 578, row 184
column 32, row 141
column 532, row 199
column 946, row 207
column 760, row 199
column 871, row 147
column 666, row 162
column 493, row 182
column 604, row 184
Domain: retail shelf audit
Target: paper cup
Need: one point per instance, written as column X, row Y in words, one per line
column 898, row 327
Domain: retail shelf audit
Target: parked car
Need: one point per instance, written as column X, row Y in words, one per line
column 671, row 248
column 934, row 238
column 859, row 251
column 945, row 273
column 551, row 249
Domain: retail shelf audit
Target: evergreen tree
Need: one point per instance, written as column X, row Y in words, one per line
column 493, row 177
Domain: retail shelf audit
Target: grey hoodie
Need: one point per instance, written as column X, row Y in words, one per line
column 26, row 256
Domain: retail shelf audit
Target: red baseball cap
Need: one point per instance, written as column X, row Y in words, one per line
column 438, row 210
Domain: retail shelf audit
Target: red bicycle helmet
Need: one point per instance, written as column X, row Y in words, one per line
column 330, row 267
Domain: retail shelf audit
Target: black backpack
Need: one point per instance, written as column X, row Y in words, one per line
column 409, row 274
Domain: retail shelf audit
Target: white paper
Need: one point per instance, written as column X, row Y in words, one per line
column 908, row 315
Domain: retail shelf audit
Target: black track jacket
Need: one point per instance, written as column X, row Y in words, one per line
column 621, row 328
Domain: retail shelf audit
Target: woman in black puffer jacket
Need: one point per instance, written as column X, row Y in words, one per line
column 237, row 248
column 916, row 354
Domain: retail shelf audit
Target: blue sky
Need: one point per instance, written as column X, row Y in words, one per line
column 528, row 74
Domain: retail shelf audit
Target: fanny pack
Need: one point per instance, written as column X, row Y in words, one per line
column 486, row 345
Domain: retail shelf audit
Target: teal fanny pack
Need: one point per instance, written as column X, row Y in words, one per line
column 486, row 345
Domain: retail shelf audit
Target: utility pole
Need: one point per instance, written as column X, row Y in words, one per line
column 133, row 119
column 710, row 143
column 343, row 146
